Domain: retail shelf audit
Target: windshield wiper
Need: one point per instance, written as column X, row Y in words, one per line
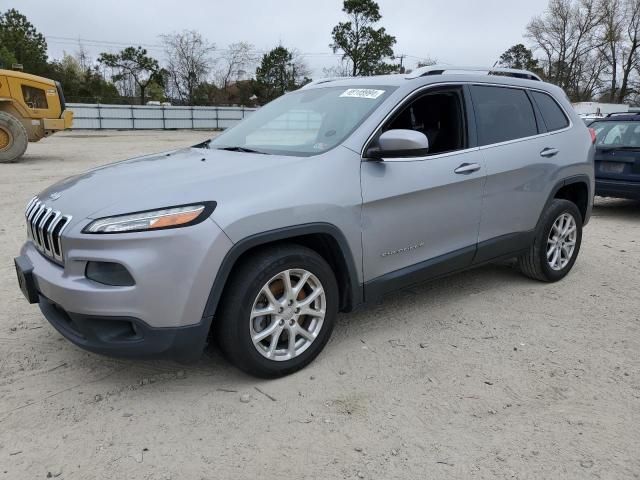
column 241, row 149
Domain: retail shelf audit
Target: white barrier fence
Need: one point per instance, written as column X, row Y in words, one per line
column 153, row 117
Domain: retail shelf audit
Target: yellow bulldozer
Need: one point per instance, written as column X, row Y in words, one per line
column 31, row 108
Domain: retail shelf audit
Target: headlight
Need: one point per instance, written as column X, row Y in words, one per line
column 171, row 217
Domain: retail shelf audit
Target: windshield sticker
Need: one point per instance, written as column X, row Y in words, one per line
column 362, row 93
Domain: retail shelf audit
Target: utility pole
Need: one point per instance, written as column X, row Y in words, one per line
column 401, row 57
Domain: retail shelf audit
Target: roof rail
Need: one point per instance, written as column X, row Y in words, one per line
column 621, row 113
column 323, row 80
column 441, row 69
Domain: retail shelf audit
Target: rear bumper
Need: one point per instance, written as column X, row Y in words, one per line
column 126, row 337
column 617, row 189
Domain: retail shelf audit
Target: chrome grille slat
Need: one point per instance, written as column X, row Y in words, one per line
column 31, row 205
column 49, row 232
column 44, row 228
column 34, row 223
column 30, row 213
column 41, row 221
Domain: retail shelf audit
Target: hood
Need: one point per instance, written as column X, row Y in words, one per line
column 160, row 180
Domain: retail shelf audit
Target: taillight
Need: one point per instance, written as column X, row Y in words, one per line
column 592, row 131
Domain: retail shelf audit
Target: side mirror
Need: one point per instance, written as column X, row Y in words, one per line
column 400, row 143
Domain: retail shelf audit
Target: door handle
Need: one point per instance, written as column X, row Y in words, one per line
column 467, row 168
column 549, row 152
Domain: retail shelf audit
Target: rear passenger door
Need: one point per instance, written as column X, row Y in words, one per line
column 520, row 163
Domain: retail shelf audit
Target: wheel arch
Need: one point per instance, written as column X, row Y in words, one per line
column 324, row 238
column 14, row 108
column 576, row 189
column 17, row 111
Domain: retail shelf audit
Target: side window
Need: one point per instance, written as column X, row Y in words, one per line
column 34, row 97
column 553, row 116
column 439, row 115
column 503, row 114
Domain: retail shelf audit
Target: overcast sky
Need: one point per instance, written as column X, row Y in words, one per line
column 462, row 32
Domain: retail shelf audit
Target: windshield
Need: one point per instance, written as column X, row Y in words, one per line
column 617, row 134
column 304, row 122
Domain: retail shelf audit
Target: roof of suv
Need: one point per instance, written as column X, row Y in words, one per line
column 437, row 73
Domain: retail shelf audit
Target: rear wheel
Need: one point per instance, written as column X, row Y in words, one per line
column 13, row 138
column 556, row 244
column 278, row 311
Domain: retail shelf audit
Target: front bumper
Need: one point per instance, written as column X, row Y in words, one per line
column 618, row 189
column 160, row 316
column 126, row 337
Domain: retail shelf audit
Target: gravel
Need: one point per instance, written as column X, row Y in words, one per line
column 543, row 382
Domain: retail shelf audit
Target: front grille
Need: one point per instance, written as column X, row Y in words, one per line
column 44, row 227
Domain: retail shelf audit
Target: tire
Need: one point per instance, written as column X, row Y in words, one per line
column 235, row 328
column 535, row 263
column 13, row 138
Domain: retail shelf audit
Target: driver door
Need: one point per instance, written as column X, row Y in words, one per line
column 421, row 215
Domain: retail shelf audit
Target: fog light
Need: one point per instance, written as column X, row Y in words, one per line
column 109, row 273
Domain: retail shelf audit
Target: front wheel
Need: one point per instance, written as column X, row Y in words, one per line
column 556, row 245
column 278, row 310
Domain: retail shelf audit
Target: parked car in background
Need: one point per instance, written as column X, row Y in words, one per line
column 588, row 119
column 598, row 108
column 617, row 160
column 326, row 198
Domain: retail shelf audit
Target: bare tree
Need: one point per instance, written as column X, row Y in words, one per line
column 621, row 45
column 568, row 35
column 630, row 58
column 591, row 48
column 189, row 61
column 343, row 69
column 235, row 61
column 611, row 32
column 300, row 69
column 426, row 62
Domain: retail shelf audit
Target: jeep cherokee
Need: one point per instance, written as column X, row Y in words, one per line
column 323, row 199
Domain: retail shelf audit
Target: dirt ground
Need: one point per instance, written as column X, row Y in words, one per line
column 485, row 374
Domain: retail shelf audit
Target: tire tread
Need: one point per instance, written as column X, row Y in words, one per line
column 235, row 295
column 531, row 262
column 20, row 138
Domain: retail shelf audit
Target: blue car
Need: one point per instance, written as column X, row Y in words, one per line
column 617, row 160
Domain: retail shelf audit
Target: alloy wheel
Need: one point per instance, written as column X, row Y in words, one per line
column 561, row 242
column 287, row 314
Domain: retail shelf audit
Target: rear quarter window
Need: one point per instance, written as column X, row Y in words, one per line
column 552, row 114
column 503, row 114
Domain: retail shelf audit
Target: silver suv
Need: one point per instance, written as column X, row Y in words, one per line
column 326, row 198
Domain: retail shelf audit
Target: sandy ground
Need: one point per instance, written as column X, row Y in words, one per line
column 482, row 375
